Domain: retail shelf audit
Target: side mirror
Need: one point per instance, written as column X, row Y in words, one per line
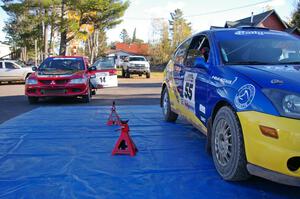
column 34, row 68
column 200, row 62
column 92, row 68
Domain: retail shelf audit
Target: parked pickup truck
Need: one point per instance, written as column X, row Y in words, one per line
column 13, row 70
column 136, row 65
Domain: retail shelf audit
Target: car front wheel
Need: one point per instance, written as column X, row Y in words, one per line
column 87, row 98
column 228, row 146
column 169, row 115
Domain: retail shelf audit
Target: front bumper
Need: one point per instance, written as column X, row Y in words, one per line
column 139, row 70
column 267, row 152
column 273, row 176
column 56, row 91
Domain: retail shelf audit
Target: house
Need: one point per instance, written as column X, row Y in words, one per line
column 122, row 50
column 269, row 19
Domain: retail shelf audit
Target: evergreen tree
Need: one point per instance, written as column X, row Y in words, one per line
column 134, row 36
column 296, row 17
column 180, row 29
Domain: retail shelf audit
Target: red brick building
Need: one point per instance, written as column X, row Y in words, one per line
column 269, row 19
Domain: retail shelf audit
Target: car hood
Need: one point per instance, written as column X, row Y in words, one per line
column 285, row 77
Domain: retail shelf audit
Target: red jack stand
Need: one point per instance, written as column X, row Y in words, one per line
column 114, row 118
column 125, row 145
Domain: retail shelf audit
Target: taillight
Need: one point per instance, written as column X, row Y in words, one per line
column 113, row 72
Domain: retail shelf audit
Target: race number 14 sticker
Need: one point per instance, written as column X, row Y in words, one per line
column 189, row 90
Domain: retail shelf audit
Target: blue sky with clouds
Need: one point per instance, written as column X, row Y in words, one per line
column 140, row 12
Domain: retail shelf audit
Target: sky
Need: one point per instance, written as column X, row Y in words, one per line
column 200, row 13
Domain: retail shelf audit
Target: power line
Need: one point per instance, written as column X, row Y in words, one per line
column 226, row 10
column 204, row 13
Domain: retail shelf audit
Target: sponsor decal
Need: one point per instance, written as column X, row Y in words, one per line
column 67, row 58
column 276, row 81
column 255, row 32
column 202, row 119
column 244, row 96
column 39, row 75
column 202, row 108
column 224, row 80
column 189, row 90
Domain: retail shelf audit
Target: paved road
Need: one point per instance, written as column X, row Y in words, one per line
column 134, row 91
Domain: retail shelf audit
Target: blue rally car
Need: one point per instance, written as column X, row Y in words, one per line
column 240, row 87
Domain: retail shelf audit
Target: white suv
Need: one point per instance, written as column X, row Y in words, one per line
column 11, row 70
column 136, row 65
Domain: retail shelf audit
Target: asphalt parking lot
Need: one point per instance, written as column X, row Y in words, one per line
column 133, row 91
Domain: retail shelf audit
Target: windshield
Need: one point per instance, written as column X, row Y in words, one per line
column 137, row 59
column 253, row 50
column 62, row 64
column 105, row 63
column 20, row 63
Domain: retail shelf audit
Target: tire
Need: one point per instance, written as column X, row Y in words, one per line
column 87, row 98
column 169, row 115
column 127, row 74
column 123, row 73
column 147, row 75
column 33, row 100
column 227, row 146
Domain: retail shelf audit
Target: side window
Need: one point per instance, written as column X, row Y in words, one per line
column 199, row 48
column 10, row 65
column 1, row 65
column 180, row 54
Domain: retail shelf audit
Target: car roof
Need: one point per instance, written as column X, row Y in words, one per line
column 12, row 60
column 67, row 56
column 241, row 28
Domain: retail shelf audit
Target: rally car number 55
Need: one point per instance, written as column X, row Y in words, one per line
column 241, row 88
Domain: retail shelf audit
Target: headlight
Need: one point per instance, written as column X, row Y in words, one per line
column 287, row 103
column 31, row 81
column 78, row 81
column 132, row 65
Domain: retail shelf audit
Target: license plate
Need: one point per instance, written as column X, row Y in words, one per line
column 53, row 91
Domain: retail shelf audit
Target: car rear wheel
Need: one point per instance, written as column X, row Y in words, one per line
column 127, row 74
column 169, row 115
column 33, row 100
column 147, row 75
column 228, row 146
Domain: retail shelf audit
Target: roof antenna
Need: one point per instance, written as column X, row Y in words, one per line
column 252, row 19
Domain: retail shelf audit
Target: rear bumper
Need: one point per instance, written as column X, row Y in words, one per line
column 56, row 91
column 273, row 176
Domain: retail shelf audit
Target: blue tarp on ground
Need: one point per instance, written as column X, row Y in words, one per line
column 65, row 152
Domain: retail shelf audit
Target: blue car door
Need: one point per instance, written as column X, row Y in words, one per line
column 195, row 83
column 178, row 71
